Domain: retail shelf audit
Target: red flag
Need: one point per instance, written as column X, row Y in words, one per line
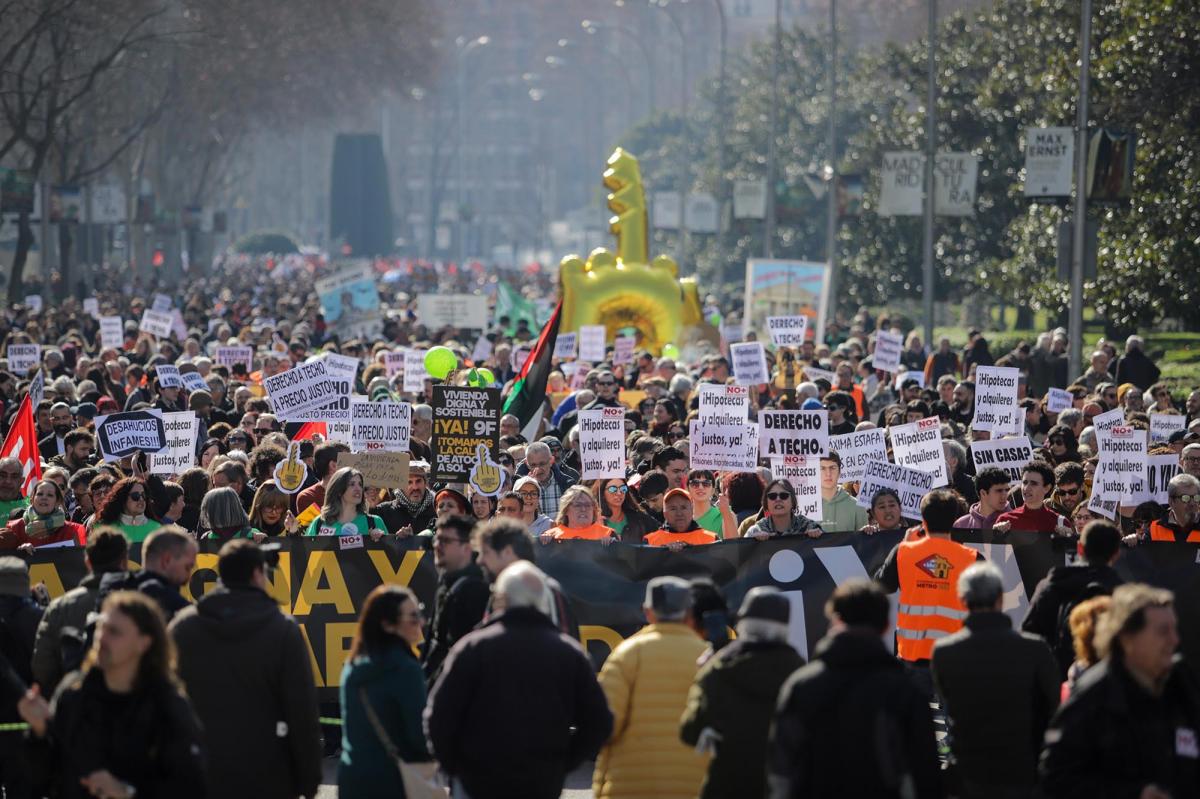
column 21, row 443
column 309, row 430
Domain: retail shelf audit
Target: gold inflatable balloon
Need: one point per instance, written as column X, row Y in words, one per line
column 627, row 289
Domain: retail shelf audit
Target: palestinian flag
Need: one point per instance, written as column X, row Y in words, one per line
column 529, row 388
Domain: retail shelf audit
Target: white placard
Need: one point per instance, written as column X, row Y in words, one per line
column 341, row 367
column 888, row 346
column 815, row 373
column 903, row 377
column 666, row 210
column 469, row 311
column 180, row 452
column 482, row 350
column 1159, row 471
column 1122, row 451
column 1049, row 161
column 954, row 179
column 749, row 363
column 302, row 388
column 996, row 398
column 579, row 378
column 178, row 326
column 565, row 346
column 168, row 376
column 702, row 213
column 591, row 342
column 723, row 448
column 749, row 199
column 1010, row 454
column 1103, row 423
column 732, row 333
column 37, row 388
column 393, row 363
column 804, row 475
column 112, row 332
column 193, row 381
column 1162, row 425
column 34, row 303
column 231, row 356
column 902, row 186
column 723, row 405
column 157, row 323
column 918, row 445
column 23, row 357
column 804, row 433
column 602, row 443
column 162, row 303
column 787, row 331
column 380, row 426
column 1104, row 505
column 623, row 349
column 911, row 484
column 121, row 434
column 1058, row 400
column 91, row 307
column 857, row 449
column 414, row 371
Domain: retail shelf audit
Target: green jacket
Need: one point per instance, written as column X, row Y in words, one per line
column 841, row 514
column 395, row 687
column 735, row 695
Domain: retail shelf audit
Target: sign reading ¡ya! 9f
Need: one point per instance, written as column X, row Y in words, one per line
column 463, row 418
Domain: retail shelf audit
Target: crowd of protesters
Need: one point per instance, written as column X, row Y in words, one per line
column 130, row 689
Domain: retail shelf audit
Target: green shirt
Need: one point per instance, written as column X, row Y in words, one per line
column 137, row 533
column 619, row 527
column 7, row 506
column 357, row 527
column 711, row 521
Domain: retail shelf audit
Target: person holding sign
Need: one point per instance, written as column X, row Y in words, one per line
column 679, row 528
column 886, row 514
column 621, row 512
column 779, row 515
column 1037, row 481
column 717, row 519
column 43, row 522
column 345, row 512
column 579, row 519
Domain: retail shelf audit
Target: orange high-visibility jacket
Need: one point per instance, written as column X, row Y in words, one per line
column 928, row 569
column 1161, row 532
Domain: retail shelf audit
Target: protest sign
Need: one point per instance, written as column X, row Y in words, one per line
column 162, row 303
column 623, row 350
column 381, row 469
column 336, row 412
column 393, row 362
column 1058, row 400
column 168, row 376
column 487, row 476
column 995, row 397
column 1009, row 454
column 193, row 381
column 232, row 356
column 383, row 426
column 564, row 346
column 723, row 447
column 815, row 373
column 1159, row 471
column 452, row 310
column 787, row 331
column 591, row 342
column 291, row 473
column 579, row 373
column 157, row 323
column 1104, row 504
column 602, row 443
column 904, row 377
column 888, row 347
column 918, row 445
column 1122, row 451
column 302, row 388
column 749, row 363
column 1162, row 425
column 180, row 452
column 341, row 367
column 519, row 356
column 911, row 484
column 794, row 433
column 91, row 307
column 732, row 333
column 112, row 332
column 723, row 404
column 482, row 350
column 804, row 474
column 1105, row 422
column 856, row 449
column 121, row 434
column 414, row 371
column 23, row 357
column 34, row 303
column 178, row 326
column 463, row 418
column 350, row 302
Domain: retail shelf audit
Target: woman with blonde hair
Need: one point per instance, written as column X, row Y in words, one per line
column 579, row 519
column 271, row 511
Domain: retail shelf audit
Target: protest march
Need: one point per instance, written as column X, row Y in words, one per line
column 467, row 401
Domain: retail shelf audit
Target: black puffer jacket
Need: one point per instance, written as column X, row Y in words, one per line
column 1062, row 586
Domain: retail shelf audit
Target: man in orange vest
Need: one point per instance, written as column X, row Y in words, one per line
column 925, row 570
column 1182, row 522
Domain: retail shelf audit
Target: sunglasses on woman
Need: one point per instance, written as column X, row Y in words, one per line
column 137, row 497
column 775, row 496
column 700, row 481
column 617, row 489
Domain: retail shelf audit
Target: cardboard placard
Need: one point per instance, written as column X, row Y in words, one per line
column 814, row 373
column 904, row 377
column 23, row 357
column 180, row 453
column 193, row 381
column 1162, row 425
column 302, row 388
column 121, row 434
column 565, row 346
column 623, row 347
column 592, row 340
column 1058, row 400
column 393, row 362
column 232, row 356
column 888, row 347
column 112, row 332
column 723, row 447
column 749, row 363
column 385, row 426
column 162, row 303
column 918, row 445
column 157, row 323
column 380, row 469
column 463, row 418
column 804, row 475
column 804, row 433
column 1009, row 454
column 996, row 398
column 787, row 331
column 911, row 484
column 857, row 449
column 602, row 443
column 1122, row 451
column 168, row 376
column 415, row 374
column 724, row 404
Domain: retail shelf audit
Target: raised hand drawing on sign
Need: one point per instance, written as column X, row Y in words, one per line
column 291, row 471
column 485, row 474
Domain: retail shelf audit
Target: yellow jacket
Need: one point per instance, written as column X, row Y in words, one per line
column 646, row 680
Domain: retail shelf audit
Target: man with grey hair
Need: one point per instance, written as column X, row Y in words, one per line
column 61, row 423
column 540, row 465
column 1182, row 520
column 733, row 699
column 557, row 713
column 956, row 463
column 1189, row 460
column 1074, row 419
column 1135, row 366
column 646, row 680
column 422, row 423
column 12, row 478
column 998, row 687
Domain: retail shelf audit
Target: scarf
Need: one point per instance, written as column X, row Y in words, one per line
column 414, row 509
column 133, row 521
column 798, row 525
column 39, row 526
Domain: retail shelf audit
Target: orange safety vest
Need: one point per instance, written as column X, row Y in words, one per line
column 1161, row 532
column 929, row 569
column 662, row 538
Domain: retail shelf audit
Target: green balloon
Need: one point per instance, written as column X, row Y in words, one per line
column 486, row 376
column 439, row 362
column 669, row 351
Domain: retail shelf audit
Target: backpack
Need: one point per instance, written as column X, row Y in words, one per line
column 1063, row 644
column 74, row 643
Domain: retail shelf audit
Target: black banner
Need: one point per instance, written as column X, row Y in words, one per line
column 324, row 587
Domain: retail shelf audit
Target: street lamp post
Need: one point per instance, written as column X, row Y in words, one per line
column 831, row 222
column 684, row 172
column 1079, row 234
column 591, row 27
column 460, row 116
column 930, row 156
column 772, row 148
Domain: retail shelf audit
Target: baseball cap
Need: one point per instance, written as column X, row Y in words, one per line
column 669, row 597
